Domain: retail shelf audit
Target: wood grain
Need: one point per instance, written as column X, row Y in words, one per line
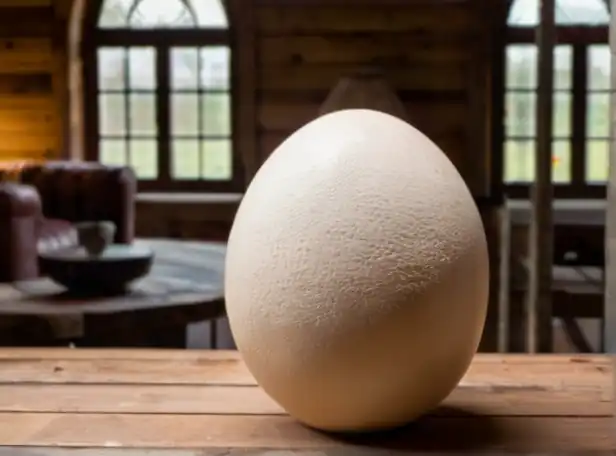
column 431, row 77
column 26, row 55
column 183, row 400
column 359, row 49
column 325, row 19
column 24, row 3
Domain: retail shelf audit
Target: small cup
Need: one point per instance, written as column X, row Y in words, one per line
column 94, row 237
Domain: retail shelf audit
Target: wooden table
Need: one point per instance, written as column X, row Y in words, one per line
column 184, row 286
column 164, row 400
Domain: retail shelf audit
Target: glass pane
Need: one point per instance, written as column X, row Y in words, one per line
column 519, row 165
column 167, row 13
column 520, row 114
column 598, row 115
column 159, row 14
column 112, row 152
column 113, row 13
column 143, row 158
column 599, row 67
column 568, row 12
column 142, row 114
column 142, row 68
column 184, row 114
column 111, row 68
column 215, row 68
column 185, row 162
column 562, row 114
column 211, row 13
column 521, row 67
column 561, row 161
column 563, row 67
column 184, row 68
column 597, row 161
column 216, row 114
column 217, row 160
column 112, row 115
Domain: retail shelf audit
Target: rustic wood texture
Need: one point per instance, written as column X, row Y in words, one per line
column 121, row 402
column 32, row 80
column 610, row 216
column 184, row 286
column 428, row 52
column 539, row 296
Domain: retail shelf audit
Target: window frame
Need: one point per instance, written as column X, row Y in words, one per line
column 580, row 38
column 162, row 40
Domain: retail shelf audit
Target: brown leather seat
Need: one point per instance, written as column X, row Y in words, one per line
column 38, row 213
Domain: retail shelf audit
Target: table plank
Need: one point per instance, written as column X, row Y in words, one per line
column 471, row 433
column 183, row 400
column 220, row 367
column 251, row 400
column 334, row 451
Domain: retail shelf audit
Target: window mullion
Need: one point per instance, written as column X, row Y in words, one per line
column 578, row 118
column 163, row 113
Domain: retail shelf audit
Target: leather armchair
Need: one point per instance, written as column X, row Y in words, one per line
column 39, row 211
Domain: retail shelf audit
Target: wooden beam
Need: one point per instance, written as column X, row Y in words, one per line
column 539, row 296
column 243, row 23
column 610, row 217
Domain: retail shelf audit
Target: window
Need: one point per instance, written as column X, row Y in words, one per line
column 163, row 93
column 580, row 98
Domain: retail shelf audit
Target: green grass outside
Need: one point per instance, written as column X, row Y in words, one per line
column 191, row 158
column 519, row 161
column 214, row 163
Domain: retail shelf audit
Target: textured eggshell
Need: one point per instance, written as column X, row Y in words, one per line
column 357, row 273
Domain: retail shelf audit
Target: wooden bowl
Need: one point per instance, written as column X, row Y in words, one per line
column 108, row 273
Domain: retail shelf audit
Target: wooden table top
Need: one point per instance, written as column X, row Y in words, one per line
column 184, row 273
column 185, row 403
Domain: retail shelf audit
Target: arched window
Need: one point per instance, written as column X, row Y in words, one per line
column 580, row 98
column 158, row 93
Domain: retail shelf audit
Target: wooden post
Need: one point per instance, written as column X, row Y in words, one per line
column 539, row 296
column 609, row 329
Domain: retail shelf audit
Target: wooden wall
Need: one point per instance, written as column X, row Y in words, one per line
column 431, row 53
column 32, row 78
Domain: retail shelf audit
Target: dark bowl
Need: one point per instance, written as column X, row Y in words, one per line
column 110, row 273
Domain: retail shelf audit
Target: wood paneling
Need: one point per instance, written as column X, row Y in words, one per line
column 31, row 119
column 323, row 20
column 26, row 55
column 387, row 48
column 434, row 76
column 428, row 51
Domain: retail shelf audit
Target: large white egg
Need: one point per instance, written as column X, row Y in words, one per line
column 357, row 273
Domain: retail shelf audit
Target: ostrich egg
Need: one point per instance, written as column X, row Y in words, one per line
column 356, row 276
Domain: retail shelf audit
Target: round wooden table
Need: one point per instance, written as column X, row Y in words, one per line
column 185, row 286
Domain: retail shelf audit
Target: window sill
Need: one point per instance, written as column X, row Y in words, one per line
column 578, row 212
column 190, row 198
